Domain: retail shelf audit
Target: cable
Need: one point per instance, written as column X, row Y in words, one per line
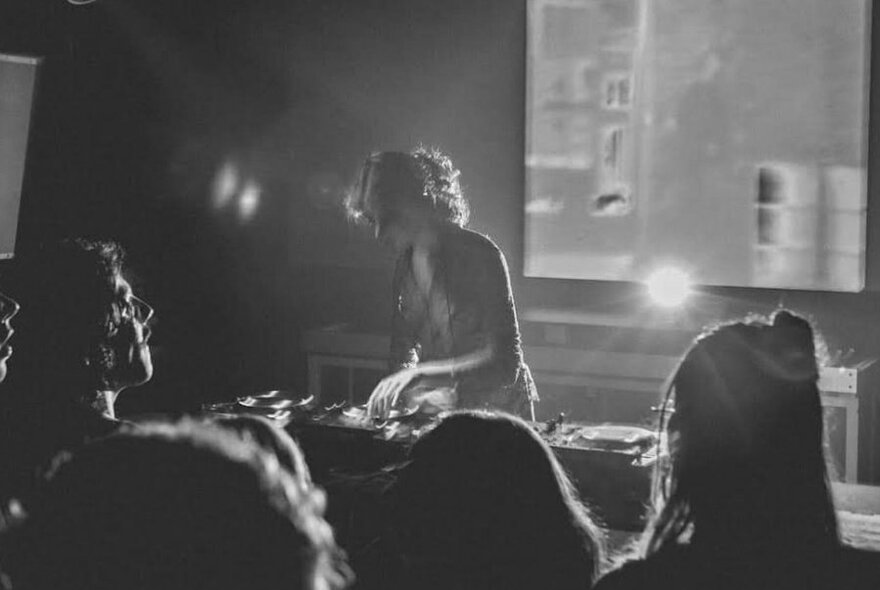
column 80, row 2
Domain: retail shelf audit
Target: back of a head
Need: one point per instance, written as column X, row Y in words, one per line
column 483, row 496
column 746, row 438
column 182, row 506
column 749, row 391
column 273, row 439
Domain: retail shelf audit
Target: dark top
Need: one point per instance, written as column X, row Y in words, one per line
column 469, row 305
column 686, row 568
column 32, row 436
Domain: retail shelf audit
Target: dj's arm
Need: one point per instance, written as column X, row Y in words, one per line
column 488, row 324
column 457, row 365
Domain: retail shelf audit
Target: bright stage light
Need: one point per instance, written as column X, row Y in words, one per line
column 669, row 286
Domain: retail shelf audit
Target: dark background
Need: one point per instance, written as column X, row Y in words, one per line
column 140, row 103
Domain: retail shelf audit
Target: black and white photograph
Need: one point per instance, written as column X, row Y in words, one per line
column 439, row 295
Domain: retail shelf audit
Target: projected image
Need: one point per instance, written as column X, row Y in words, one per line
column 17, row 77
column 722, row 138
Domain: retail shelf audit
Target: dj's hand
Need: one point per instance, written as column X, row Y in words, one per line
column 387, row 393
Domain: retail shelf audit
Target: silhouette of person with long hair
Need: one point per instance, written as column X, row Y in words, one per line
column 742, row 498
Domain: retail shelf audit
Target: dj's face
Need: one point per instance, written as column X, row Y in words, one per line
column 8, row 309
column 387, row 222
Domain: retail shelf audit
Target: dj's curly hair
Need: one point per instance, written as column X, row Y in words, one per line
column 441, row 184
column 425, row 174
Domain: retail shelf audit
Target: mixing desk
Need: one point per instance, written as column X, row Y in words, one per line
column 610, row 464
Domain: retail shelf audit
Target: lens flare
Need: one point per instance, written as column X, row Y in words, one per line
column 249, row 200
column 226, row 184
column 669, row 286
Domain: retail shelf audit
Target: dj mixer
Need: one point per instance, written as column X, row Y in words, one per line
column 609, row 464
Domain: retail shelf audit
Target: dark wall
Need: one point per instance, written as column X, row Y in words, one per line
column 142, row 101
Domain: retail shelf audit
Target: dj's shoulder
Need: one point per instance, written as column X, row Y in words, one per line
column 474, row 243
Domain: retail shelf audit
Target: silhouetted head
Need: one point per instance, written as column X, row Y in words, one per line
column 175, row 507
column 81, row 326
column 746, row 464
column 397, row 193
column 485, row 502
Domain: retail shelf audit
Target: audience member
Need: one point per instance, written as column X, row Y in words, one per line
column 174, row 507
column 742, row 497
column 8, row 309
column 484, row 503
column 82, row 339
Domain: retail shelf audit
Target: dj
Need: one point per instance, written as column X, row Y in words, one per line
column 455, row 341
